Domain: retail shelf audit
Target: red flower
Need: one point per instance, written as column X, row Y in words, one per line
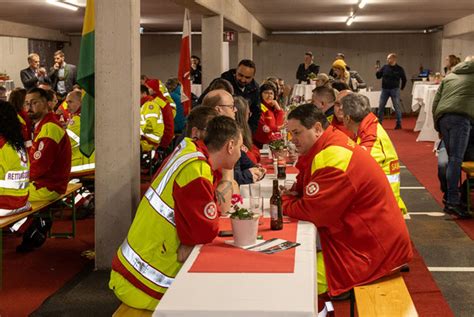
column 236, row 198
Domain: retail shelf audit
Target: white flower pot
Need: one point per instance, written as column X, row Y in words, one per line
column 245, row 231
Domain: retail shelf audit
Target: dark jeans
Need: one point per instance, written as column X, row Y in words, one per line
column 395, row 95
column 455, row 130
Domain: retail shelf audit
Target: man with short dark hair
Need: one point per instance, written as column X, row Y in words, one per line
column 169, row 221
column 62, row 75
column 50, row 153
column 392, row 74
column 306, row 68
column 341, row 189
column 244, row 84
column 370, row 134
column 323, row 98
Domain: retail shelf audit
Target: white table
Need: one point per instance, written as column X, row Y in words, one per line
column 305, row 91
column 374, row 99
column 8, row 84
column 196, row 89
column 419, row 97
column 427, row 131
column 247, row 294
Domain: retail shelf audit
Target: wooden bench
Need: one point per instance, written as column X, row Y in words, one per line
column 468, row 168
column 127, row 311
column 388, row 296
column 36, row 207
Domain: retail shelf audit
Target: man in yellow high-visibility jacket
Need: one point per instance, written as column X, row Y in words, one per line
column 372, row 136
column 151, row 126
column 170, row 222
column 79, row 162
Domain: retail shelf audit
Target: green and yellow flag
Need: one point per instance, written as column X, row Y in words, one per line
column 85, row 78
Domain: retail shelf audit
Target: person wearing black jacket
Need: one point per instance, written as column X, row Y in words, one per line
column 244, row 84
column 392, row 74
column 306, row 68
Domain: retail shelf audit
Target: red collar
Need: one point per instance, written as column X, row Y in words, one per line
column 305, row 160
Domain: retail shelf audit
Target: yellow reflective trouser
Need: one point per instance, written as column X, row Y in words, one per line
column 41, row 194
column 129, row 294
column 321, row 278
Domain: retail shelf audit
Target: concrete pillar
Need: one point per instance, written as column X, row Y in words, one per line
column 212, row 32
column 117, row 83
column 245, row 46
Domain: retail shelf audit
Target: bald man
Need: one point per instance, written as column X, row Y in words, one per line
column 222, row 101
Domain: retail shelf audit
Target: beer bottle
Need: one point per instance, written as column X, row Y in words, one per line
column 276, row 213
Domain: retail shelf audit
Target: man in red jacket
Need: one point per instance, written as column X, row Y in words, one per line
column 343, row 191
column 50, row 154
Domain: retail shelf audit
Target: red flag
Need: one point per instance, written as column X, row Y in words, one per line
column 185, row 64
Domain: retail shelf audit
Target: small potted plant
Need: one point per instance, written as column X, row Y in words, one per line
column 278, row 148
column 312, row 78
column 244, row 223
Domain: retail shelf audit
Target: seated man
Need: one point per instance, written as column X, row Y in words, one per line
column 169, row 221
column 341, row 189
column 14, row 165
column 372, row 137
column 80, row 162
column 323, row 98
column 152, row 126
column 50, row 153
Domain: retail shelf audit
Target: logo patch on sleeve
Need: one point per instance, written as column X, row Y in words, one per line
column 40, row 146
column 37, row 155
column 210, row 211
column 312, row 189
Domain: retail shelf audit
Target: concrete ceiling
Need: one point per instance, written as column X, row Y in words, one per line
column 275, row 15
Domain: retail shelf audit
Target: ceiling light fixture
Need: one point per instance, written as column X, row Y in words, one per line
column 62, row 5
column 362, row 4
column 350, row 20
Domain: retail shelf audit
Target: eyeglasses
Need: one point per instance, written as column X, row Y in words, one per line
column 232, row 107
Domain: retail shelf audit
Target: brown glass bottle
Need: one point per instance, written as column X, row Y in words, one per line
column 276, row 212
column 281, row 168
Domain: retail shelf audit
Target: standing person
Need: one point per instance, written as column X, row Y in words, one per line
column 392, row 74
column 342, row 57
column 14, row 165
column 169, row 222
column 244, row 84
column 341, row 189
column 196, row 70
column 453, row 113
column 62, row 75
column 371, row 136
column 34, row 74
column 306, row 68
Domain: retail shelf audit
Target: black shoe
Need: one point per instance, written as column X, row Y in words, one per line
column 456, row 210
column 398, row 126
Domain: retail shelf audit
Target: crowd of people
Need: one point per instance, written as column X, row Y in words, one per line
column 348, row 183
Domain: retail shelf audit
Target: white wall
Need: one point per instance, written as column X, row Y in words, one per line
column 461, row 46
column 281, row 54
column 13, row 57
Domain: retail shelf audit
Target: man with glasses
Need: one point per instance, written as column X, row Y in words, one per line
column 34, row 74
column 222, row 101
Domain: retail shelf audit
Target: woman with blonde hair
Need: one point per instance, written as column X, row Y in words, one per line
column 350, row 78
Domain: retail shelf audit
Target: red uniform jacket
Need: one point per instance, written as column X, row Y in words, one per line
column 343, row 191
column 50, row 155
column 253, row 153
column 268, row 124
column 340, row 126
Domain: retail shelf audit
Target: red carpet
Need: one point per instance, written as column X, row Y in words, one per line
column 28, row 279
column 423, row 290
column 420, row 160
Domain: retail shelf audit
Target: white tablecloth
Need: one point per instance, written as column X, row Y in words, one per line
column 8, row 84
column 374, row 98
column 427, row 131
column 304, row 91
column 247, row 294
column 196, row 89
column 419, row 96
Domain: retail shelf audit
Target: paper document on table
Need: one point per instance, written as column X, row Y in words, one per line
column 268, row 246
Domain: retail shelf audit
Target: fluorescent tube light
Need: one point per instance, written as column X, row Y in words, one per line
column 62, row 5
column 350, row 20
column 362, row 4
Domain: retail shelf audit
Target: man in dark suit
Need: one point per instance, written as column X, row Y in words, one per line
column 34, row 74
column 62, row 75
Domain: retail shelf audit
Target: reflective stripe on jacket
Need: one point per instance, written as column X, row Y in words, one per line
column 79, row 162
column 148, row 256
column 151, row 125
column 14, row 178
column 373, row 137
